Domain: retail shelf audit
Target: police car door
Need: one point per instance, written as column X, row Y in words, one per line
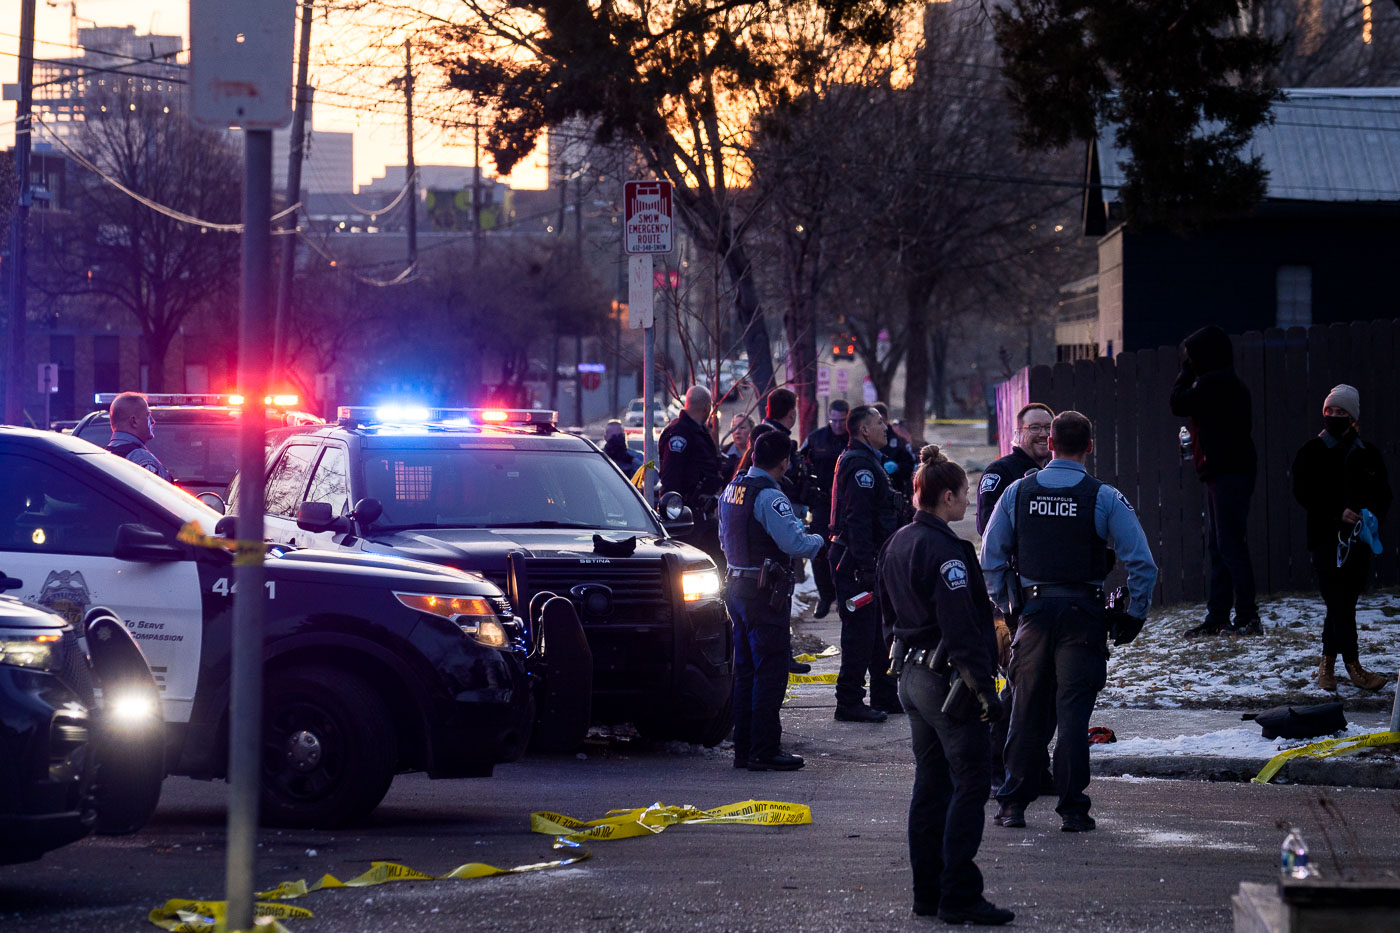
column 286, row 485
column 330, row 482
column 58, row 533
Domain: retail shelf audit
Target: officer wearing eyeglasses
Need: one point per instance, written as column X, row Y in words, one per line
column 1030, row 452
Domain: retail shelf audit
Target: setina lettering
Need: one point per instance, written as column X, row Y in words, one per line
column 1054, row 507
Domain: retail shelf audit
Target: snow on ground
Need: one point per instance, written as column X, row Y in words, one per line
column 1246, row 741
column 1164, row 669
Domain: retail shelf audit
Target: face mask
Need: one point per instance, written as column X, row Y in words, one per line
column 1336, row 425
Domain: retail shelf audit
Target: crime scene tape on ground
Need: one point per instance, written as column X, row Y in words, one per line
column 798, row 679
column 187, row 916
column 1327, row 748
column 830, row 651
column 244, row 552
column 648, row 821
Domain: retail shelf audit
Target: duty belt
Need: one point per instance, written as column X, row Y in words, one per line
column 919, row 657
column 1063, row 591
column 746, row 574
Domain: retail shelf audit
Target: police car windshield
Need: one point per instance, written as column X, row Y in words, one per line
column 501, row 488
column 200, row 453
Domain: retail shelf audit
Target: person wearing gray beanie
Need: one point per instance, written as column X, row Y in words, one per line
column 1337, row 476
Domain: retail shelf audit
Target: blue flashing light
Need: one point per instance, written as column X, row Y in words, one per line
column 402, row 414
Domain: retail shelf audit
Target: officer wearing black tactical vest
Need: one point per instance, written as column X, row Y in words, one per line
column 1058, row 524
column 864, row 513
column 761, row 535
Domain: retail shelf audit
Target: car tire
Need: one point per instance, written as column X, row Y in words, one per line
column 329, row 749
column 707, row 732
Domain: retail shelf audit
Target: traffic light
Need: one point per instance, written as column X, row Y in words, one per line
column 843, row 347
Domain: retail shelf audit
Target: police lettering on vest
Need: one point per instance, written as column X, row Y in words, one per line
column 745, row 541
column 1054, row 506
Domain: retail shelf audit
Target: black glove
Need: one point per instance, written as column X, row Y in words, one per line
column 1122, row 627
column 990, row 704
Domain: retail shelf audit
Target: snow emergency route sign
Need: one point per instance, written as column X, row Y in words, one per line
column 647, row 216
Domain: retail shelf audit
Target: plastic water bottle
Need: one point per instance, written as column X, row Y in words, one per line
column 1293, row 856
column 860, row 601
column 1185, row 438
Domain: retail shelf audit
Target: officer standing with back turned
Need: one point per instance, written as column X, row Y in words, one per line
column 761, row 535
column 1058, row 524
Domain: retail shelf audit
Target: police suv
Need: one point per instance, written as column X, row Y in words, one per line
column 196, row 434
column 374, row 665
column 533, row 509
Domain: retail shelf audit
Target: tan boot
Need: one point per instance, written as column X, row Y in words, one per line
column 1363, row 678
column 1327, row 674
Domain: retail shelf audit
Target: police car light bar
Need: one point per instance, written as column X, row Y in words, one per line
column 418, row 414
column 198, row 398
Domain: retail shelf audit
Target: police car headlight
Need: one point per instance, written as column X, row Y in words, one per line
column 40, row 652
column 700, row 584
column 473, row 615
column 132, row 708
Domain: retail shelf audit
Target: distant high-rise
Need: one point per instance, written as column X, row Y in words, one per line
column 115, row 63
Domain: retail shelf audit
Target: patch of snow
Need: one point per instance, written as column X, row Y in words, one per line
column 1247, row 741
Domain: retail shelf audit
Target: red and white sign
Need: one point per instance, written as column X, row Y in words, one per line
column 823, row 382
column 646, row 216
column 843, row 381
column 590, row 381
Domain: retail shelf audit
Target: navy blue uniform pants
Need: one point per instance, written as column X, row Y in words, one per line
column 1059, row 663
column 1341, row 587
column 864, row 650
column 950, row 791
column 1231, row 573
column 762, row 648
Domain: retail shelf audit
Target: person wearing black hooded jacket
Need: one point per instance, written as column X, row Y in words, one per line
column 1216, row 400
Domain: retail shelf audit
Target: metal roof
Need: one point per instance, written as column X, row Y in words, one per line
column 1325, row 144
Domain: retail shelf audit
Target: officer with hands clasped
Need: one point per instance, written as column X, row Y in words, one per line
column 1058, row 524
column 864, row 513
column 934, row 603
column 761, row 535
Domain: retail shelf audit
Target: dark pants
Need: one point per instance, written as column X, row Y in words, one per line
column 1059, row 663
column 1231, row 573
column 1003, row 725
column 950, row 779
column 762, row 647
column 821, row 565
column 863, row 650
column 1341, row 588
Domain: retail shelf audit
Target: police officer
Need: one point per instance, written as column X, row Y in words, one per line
column 864, row 513
column 132, row 426
column 821, row 450
column 897, row 454
column 690, row 465
column 1059, row 522
column 781, row 415
column 934, row 603
column 1030, row 452
column 761, row 535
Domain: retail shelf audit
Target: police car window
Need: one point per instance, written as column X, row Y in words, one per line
column 330, row 483
column 477, row 487
column 288, row 479
column 202, row 453
column 44, row 511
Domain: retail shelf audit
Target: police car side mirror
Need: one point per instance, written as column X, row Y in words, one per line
column 214, row 501
column 144, row 543
column 367, row 512
column 675, row 514
column 317, row 516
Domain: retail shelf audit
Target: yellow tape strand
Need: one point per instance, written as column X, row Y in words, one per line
column 244, row 552
column 1327, row 748
column 639, row 477
column 798, row 679
column 646, row 821
column 830, row 651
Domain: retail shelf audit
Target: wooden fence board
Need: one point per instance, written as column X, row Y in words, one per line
column 1151, row 423
column 1165, row 428
column 1385, row 432
column 1106, row 422
column 1086, row 402
column 1039, row 384
column 1292, row 435
column 1062, row 388
column 1270, row 494
column 1249, row 351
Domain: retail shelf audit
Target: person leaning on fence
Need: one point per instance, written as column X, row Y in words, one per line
column 1337, row 477
column 1220, row 408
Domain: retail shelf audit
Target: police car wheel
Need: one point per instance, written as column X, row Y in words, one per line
column 329, row 749
column 707, row 732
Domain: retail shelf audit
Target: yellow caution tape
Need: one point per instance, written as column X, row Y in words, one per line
column 646, row 821
column 1001, row 684
column 830, row 651
column 1327, row 748
column 245, row 553
column 639, row 478
column 811, row 678
column 186, row 916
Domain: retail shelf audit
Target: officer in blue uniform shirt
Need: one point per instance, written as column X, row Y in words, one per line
column 132, row 426
column 1058, row 524
column 761, row 535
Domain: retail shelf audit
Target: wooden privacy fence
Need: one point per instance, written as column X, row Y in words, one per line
column 1137, row 449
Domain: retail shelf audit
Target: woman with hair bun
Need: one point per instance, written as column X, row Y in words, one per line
column 934, row 600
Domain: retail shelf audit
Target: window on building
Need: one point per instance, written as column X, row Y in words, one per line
column 1294, row 296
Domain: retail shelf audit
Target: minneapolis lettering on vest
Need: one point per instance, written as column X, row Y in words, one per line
column 1054, row 507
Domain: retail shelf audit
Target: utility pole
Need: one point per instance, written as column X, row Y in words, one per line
column 295, row 157
column 476, row 192
column 578, row 336
column 17, row 261
column 412, row 180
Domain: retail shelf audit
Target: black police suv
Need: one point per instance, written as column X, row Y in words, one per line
column 196, row 435
column 69, row 762
column 505, row 493
column 374, row 665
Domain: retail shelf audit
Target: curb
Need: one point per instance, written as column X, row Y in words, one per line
column 1377, row 773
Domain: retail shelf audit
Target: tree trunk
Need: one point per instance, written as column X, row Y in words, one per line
column 916, row 362
column 801, row 329
column 749, row 315
column 940, row 338
column 157, row 345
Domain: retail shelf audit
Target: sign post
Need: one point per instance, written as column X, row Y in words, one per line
column 48, row 384
column 646, row 230
column 241, row 76
column 823, row 382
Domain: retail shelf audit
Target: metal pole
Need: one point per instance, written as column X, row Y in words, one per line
column 648, row 430
column 296, row 155
column 18, row 303
column 245, row 713
column 412, row 180
column 476, row 192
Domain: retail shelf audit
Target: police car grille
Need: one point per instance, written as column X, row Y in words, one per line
column 639, row 592
column 75, row 671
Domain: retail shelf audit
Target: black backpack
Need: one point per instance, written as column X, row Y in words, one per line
column 1300, row 722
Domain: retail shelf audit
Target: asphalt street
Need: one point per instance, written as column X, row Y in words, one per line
column 1168, row 854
